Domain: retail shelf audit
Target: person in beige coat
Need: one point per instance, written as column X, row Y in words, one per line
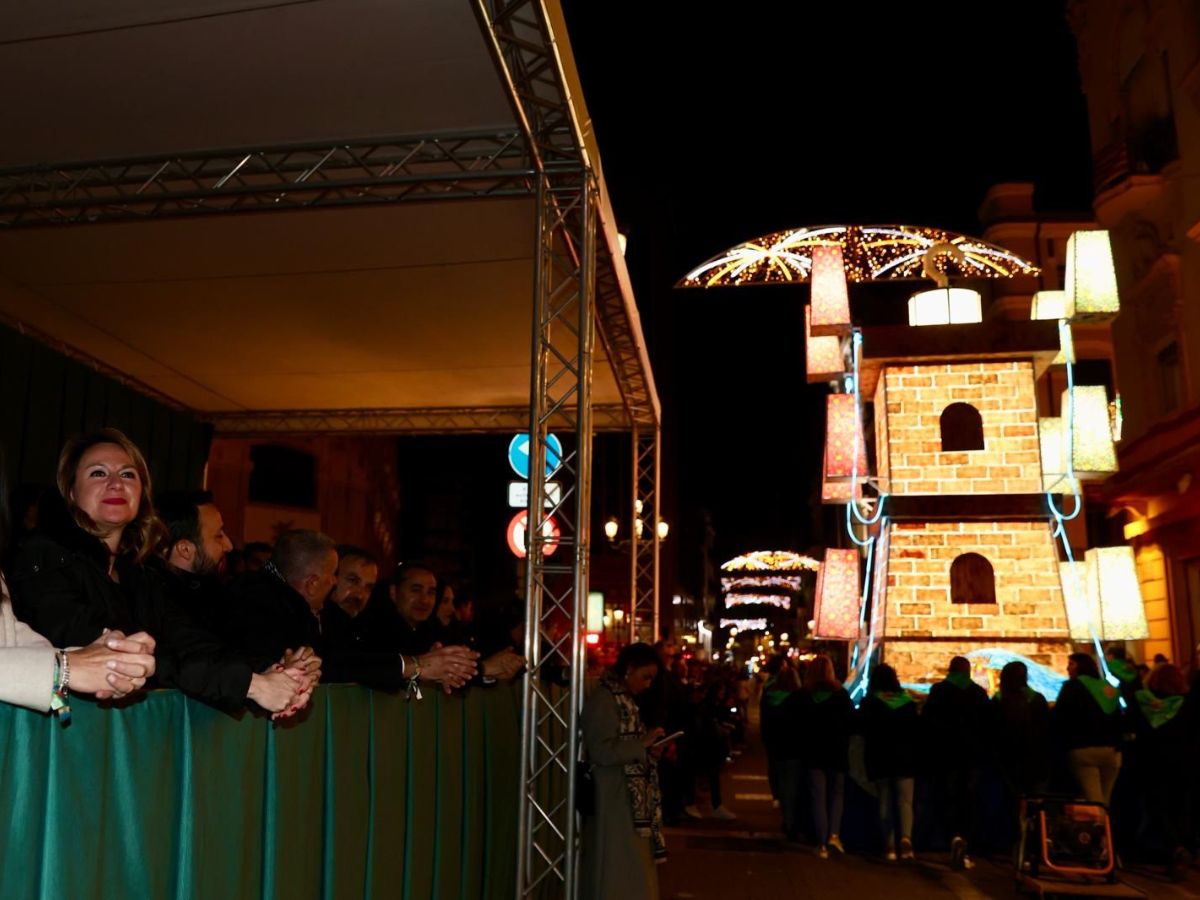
column 111, row 666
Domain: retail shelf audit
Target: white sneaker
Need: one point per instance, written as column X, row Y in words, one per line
column 835, row 843
column 775, row 804
column 890, row 855
column 692, row 813
column 822, row 852
column 722, row 813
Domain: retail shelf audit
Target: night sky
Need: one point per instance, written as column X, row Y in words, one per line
column 723, row 123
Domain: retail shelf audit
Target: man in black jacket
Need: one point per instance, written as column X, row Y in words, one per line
column 342, row 624
column 191, row 558
column 277, row 612
column 956, row 715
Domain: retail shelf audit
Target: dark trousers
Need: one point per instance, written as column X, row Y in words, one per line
column 958, row 799
column 792, row 777
column 773, row 775
column 827, row 790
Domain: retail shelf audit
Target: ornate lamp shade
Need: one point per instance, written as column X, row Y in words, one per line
column 1092, row 452
column 1091, row 280
column 836, row 607
column 822, row 355
column 1115, row 594
column 830, row 298
column 843, row 432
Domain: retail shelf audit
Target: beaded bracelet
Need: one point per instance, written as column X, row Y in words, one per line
column 60, row 701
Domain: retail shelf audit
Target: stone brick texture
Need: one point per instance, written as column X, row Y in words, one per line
column 1029, row 600
column 909, row 401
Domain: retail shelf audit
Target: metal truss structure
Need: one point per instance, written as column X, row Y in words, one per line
column 300, row 176
column 643, row 617
column 426, row 420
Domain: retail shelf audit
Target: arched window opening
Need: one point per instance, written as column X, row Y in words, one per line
column 962, row 428
column 972, row 580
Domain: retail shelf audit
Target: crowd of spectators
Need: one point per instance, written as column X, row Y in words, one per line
column 151, row 594
column 1132, row 747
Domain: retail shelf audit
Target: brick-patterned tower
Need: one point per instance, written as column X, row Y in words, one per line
column 971, row 562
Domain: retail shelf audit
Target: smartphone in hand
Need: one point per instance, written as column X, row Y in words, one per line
column 667, row 739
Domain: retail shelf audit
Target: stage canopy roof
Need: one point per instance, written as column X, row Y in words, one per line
column 393, row 292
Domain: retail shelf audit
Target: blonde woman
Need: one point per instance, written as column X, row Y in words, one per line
column 83, row 574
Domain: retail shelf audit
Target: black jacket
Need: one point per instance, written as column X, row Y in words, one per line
column 1020, row 737
column 891, row 739
column 822, row 729
column 266, row 617
column 61, row 588
column 1078, row 721
column 956, row 720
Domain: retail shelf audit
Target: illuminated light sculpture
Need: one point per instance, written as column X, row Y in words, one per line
column 776, row 600
column 843, row 439
column 829, row 297
column 869, row 253
column 822, row 355
column 1115, row 595
column 771, row 561
column 743, row 626
column 1091, row 279
column 757, row 582
column 945, row 306
column 836, row 608
column 1092, row 450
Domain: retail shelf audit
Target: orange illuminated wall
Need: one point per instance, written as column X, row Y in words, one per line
column 912, row 399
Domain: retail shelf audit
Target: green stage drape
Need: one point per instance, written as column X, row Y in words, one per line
column 371, row 795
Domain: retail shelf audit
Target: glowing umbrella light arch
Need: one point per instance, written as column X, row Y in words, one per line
column 869, row 253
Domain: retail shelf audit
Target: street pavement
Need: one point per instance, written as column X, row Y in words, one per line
column 747, row 858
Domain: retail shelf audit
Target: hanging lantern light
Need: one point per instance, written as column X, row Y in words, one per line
column 835, row 610
column 840, row 491
column 1091, row 279
column 1054, row 455
column 945, row 306
column 843, row 433
column 830, row 298
column 822, row 355
column 1115, row 594
column 1048, row 305
column 1074, row 578
column 1092, row 452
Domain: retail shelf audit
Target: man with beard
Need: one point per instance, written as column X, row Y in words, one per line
column 278, row 609
column 357, row 574
column 192, row 558
column 407, row 625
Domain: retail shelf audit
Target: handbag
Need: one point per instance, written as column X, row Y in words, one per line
column 585, row 790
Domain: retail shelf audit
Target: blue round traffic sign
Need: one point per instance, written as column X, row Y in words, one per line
column 518, row 454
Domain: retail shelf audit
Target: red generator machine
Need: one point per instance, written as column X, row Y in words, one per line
column 1066, row 847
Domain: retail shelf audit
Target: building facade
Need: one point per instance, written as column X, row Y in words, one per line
column 1140, row 69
